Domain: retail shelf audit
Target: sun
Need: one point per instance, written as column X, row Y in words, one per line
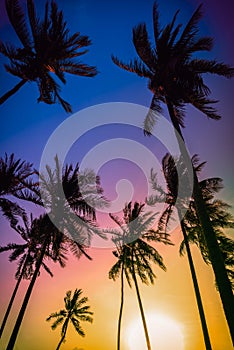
column 164, row 332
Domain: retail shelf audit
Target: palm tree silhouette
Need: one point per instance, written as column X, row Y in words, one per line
column 75, row 311
column 74, row 232
column 26, row 253
column 171, row 168
column 48, row 47
column 190, row 225
column 220, row 217
column 135, row 254
column 16, row 180
column 176, row 79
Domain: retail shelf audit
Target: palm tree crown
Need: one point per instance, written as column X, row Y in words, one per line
column 16, row 180
column 48, row 47
column 135, row 254
column 75, row 311
column 173, row 74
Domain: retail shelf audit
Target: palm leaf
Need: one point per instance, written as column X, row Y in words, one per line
column 18, row 22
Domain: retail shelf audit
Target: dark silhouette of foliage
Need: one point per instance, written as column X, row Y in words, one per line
column 175, row 77
column 135, row 254
column 16, row 179
column 72, row 232
column 75, row 312
column 26, row 255
column 47, row 49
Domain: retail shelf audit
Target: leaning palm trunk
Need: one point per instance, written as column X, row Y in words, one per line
column 215, row 255
column 63, row 336
column 24, row 263
column 121, row 308
column 12, row 91
column 142, row 311
column 20, row 317
column 196, row 287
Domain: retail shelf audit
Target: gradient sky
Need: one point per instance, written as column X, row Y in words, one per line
column 25, row 129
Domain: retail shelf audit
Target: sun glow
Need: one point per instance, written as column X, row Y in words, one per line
column 164, row 333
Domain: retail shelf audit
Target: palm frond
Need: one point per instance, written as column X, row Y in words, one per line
column 134, row 66
column 156, row 22
column 143, row 46
column 203, row 104
column 191, row 28
column 211, row 66
column 18, row 22
column 152, row 116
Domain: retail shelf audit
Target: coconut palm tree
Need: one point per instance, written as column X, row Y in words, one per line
column 16, row 180
column 220, row 218
column 26, row 254
column 47, row 49
column 135, row 254
column 75, row 311
column 65, row 230
column 175, row 78
column 171, row 168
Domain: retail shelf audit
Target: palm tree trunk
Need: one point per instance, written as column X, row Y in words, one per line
column 196, row 287
column 24, row 263
column 142, row 311
column 20, row 317
column 12, row 91
column 121, row 308
column 63, row 336
column 216, row 258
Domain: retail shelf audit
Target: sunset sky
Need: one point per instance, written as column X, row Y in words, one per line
column 26, row 127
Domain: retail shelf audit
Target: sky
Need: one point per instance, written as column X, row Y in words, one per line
column 26, row 127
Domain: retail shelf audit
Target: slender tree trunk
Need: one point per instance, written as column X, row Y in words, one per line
column 13, row 296
column 63, row 336
column 142, row 311
column 196, row 287
column 121, row 308
column 60, row 343
column 20, row 317
column 216, row 258
column 12, row 91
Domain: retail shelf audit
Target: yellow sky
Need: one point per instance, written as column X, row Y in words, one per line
column 171, row 295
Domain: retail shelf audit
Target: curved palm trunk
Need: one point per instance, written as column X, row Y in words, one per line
column 196, row 287
column 20, row 317
column 121, row 308
column 12, row 91
column 24, row 263
column 215, row 255
column 63, row 336
column 142, row 311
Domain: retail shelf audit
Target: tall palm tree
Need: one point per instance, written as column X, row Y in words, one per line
column 135, row 254
column 26, row 254
column 220, row 218
column 47, row 48
column 74, row 232
column 16, row 180
column 175, row 78
column 170, row 170
column 75, row 311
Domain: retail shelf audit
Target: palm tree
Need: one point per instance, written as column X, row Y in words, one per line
column 75, row 311
column 170, row 197
column 26, row 253
column 16, row 180
column 175, row 78
column 47, row 48
column 70, row 231
column 135, row 254
column 220, row 218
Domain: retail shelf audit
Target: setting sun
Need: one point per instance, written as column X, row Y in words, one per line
column 165, row 333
